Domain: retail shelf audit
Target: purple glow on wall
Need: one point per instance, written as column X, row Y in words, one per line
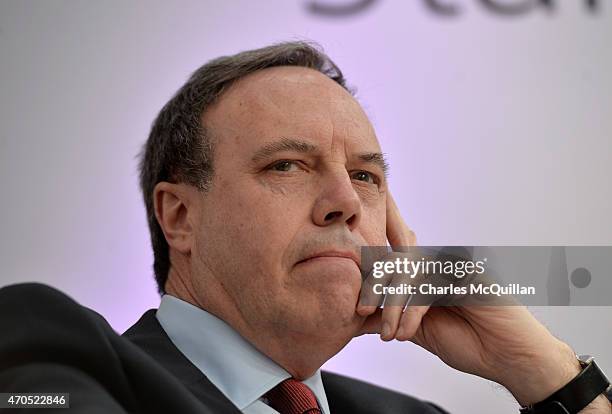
column 497, row 131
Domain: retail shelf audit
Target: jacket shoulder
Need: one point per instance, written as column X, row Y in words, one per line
column 350, row 395
column 54, row 340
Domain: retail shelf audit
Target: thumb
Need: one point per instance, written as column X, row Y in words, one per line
column 372, row 324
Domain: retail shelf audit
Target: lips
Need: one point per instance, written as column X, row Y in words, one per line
column 334, row 254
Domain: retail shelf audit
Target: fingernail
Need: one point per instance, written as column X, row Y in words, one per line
column 386, row 330
column 399, row 335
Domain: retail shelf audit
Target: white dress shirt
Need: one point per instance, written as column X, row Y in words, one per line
column 229, row 361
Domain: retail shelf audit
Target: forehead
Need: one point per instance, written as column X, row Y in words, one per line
column 291, row 102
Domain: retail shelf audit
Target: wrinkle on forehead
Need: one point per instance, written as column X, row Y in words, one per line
column 291, row 85
column 294, row 101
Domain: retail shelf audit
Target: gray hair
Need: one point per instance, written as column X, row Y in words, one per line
column 179, row 148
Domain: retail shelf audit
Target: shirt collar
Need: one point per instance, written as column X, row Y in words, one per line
column 229, row 361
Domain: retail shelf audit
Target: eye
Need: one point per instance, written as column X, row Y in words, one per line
column 363, row 176
column 284, row 166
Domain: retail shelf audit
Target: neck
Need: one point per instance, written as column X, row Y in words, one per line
column 299, row 354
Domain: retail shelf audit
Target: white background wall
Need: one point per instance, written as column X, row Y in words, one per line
column 498, row 130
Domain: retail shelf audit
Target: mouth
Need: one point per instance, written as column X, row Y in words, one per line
column 333, row 255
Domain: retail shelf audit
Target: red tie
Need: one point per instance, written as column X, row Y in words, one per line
column 292, row 397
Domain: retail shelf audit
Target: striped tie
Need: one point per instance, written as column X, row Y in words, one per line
column 292, row 397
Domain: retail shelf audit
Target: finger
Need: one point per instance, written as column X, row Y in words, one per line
column 424, row 341
column 369, row 300
column 391, row 315
column 365, row 310
column 393, row 307
column 372, row 324
column 410, row 322
column 398, row 232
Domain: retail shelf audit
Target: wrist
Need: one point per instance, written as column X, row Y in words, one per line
column 587, row 392
column 600, row 405
column 543, row 373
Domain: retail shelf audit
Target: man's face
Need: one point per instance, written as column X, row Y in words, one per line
column 298, row 174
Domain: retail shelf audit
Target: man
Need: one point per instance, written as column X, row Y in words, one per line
column 262, row 177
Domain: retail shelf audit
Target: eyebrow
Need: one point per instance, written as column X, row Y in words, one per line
column 376, row 158
column 284, row 144
column 300, row 146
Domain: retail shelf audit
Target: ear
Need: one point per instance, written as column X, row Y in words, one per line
column 175, row 210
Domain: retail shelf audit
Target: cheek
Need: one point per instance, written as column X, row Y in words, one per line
column 373, row 224
column 257, row 226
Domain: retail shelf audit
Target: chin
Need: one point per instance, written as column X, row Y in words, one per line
column 326, row 307
column 337, row 335
column 336, row 320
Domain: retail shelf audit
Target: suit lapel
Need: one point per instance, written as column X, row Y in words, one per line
column 148, row 334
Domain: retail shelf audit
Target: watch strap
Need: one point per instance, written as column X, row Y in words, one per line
column 574, row 396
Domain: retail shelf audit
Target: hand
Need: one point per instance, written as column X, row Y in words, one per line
column 505, row 344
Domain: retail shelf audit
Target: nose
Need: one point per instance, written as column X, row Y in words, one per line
column 338, row 202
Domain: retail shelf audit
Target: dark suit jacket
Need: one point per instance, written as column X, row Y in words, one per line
column 49, row 343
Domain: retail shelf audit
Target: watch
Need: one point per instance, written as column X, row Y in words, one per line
column 577, row 394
